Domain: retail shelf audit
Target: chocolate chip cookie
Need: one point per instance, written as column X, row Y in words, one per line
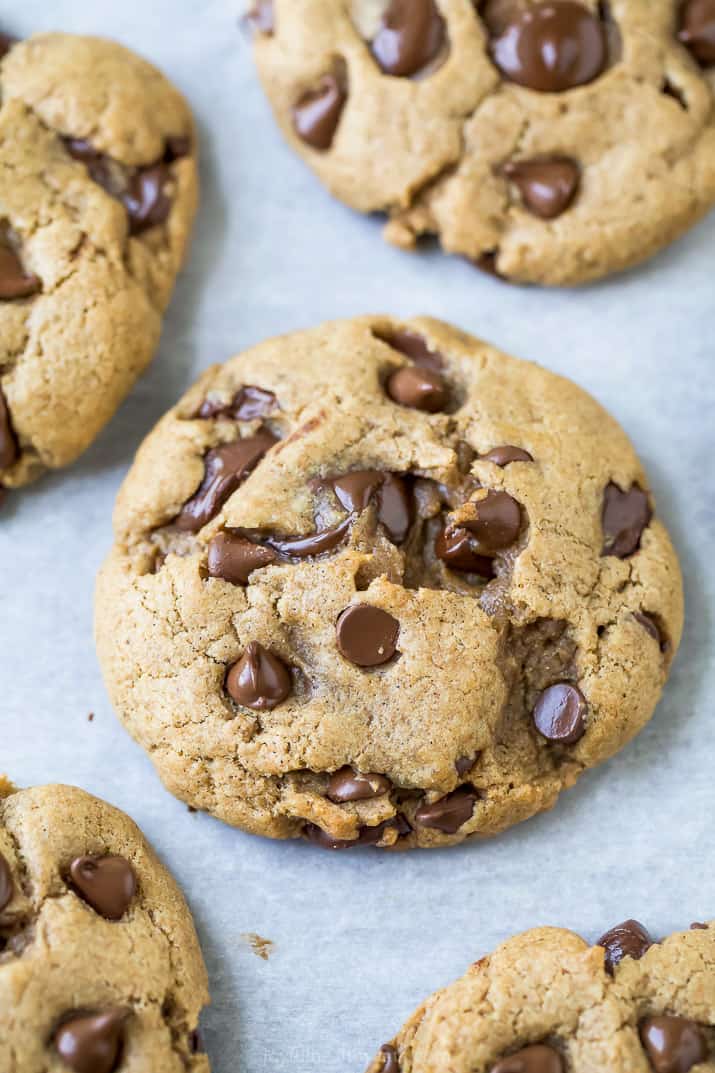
column 100, row 967
column 378, row 583
column 549, row 141
column 98, row 187
column 547, row 1002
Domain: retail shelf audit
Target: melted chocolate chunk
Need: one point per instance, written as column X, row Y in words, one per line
column 233, row 557
column 350, row 785
column 410, row 38
column 449, row 813
column 627, row 940
column 625, row 515
column 316, row 115
column 225, row 468
column 107, row 884
column 673, row 1044
column 537, row 1058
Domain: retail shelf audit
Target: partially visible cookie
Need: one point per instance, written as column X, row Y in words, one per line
column 547, row 1002
column 100, row 967
column 98, row 189
column 549, row 141
column 378, row 583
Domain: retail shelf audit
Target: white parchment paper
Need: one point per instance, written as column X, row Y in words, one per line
column 362, row 938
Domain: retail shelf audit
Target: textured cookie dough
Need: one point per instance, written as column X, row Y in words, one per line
column 444, row 115
column 100, row 967
column 98, row 189
column 330, row 611
column 546, row 1002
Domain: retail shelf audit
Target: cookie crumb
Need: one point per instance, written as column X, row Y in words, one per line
column 262, row 948
column 90, row 717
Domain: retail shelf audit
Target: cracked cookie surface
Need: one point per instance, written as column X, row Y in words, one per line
column 98, row 189
column 100, row 966
column 547, row 1002
column 549, row 141
column 332, row 611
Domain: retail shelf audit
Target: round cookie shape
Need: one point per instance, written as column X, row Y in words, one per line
column 546, row 141
column 396, row 627
column 90, row 905
column 98, row 202
column 547, row 1002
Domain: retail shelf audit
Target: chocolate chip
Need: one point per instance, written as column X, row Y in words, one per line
column 8, row 442
column 560, row 714
column 673, row 1044
column 419, row 389
column 465, row 764
column 314, row 544
column 627, row 940
column 261, row 17
column 225, row 468
column 6, row 43
column 551, row 47
column 697, row 29
column 537, row 1058
column 496, row 525
column 249, row 403
column 176, row 147
column 15, row 282
column 92, row 1042
column 234, row 558
column 699, row 927
column 503, row 456
column 625, row 515
column 350, row 785
column 650, row 625
column 107, row 884
column 394, row 505
column 454, row 547
column 487, row 263
column 196, row 1043
column 548, row 185
column 410, row 37
column 100, row 167
column 259, row 680
column 317, row 114
column 7, row 887
column 390, row 1063
column 146, row 200
column 369, row 836
column 413, row 346
column 450, row 812
column 367, row 635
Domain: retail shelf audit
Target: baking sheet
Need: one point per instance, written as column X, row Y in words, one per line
column 361, row 938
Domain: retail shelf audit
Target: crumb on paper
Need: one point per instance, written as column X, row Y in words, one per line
column 262, row 948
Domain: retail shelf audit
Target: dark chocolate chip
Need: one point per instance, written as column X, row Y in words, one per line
column 454, row 547
column 176, row 147
column 487, row 263
column 551, row 47
column 369, row 836
column 350, row 785
column 673, row 1044
column 496, row 525
column 259, row 680
column 261, row 17
column 8, row 442
column 411, row 36
column 650, row 625
column 548, row 185
column 367, row 635
column 92, row 1042
column 625, row 515
column 7, row 887
column 413, row 346
column 6, row 43
column 537, row 1058
column 146, row 200
column 97, row 164
column 314, row 544
column 248, row 403
column 107, row 884
column 627, row 940
column 697, row 29
column 449, row 813
column 390, row 1061
column 697, row 926
column 504, row 456
column 317, row 114
column 418, row 388
column 464, row 764
column 15, row 282
column 196, row 1043
column 225, row 468
column 394, row 504
column 234, row 557
column 560, row 714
